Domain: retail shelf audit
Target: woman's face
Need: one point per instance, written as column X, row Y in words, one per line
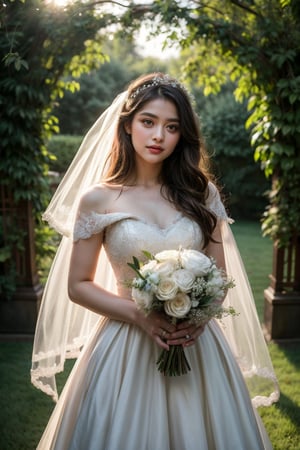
column 155, row 131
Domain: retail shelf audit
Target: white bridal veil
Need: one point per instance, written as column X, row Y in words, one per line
column 63, row 327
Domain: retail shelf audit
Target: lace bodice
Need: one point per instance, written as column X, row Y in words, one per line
column 126, row 236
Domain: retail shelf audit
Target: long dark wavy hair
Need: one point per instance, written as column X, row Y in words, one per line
column 185, row 173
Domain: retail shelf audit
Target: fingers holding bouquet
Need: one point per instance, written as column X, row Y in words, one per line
column 186, row 334
column 158, row 326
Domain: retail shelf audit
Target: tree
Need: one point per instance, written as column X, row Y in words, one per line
column 39, row 44
column 77, row 111
column 243, row 183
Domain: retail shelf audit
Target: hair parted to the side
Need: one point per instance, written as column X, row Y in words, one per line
column 185, row 173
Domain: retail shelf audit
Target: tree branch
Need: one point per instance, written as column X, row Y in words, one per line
column 136, row 8
column 245, row 7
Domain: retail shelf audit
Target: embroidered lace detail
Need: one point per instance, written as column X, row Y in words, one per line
column 259, row 377
column 91, row 223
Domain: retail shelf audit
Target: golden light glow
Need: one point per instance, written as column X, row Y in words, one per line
column 58, row 3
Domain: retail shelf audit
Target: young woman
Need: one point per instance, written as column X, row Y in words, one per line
column 154, row 194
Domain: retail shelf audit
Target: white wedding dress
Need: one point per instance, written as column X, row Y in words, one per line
column 116, row 399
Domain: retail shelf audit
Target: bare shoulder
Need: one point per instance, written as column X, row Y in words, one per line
column 99, row 198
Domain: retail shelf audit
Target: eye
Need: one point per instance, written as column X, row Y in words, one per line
column 147, row 122
column 173, row 128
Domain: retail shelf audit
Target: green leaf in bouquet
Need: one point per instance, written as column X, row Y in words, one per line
column 136, row 267
column 148, row 254
column 136, row 262
column 204, row 301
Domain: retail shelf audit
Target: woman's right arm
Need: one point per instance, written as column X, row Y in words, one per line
column 83, row 290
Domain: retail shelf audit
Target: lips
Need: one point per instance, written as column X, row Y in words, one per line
column 155, row 149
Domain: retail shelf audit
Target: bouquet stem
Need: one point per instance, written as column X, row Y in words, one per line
column 173, row 362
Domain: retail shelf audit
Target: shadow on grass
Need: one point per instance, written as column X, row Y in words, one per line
column 289, row 408
column 291, row 350
column 287, row 367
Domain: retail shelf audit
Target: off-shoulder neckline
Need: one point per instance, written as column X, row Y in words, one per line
column 178, row 216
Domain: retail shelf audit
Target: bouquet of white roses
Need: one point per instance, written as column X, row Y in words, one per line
column 186, row 285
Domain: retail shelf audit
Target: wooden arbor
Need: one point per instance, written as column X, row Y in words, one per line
column 282, row 297
column 18, row 311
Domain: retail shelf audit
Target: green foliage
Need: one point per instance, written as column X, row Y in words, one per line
column 63, row 148
column 46, row 243
column 14, row 241
column 256, row 45
column 39, row 44
column 228, row 142
column 78, row 111
column 276, row 137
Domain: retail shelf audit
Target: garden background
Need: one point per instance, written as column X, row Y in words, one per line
column 35, row 77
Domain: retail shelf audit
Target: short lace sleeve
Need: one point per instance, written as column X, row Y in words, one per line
column 90, row 223
column 214, row 203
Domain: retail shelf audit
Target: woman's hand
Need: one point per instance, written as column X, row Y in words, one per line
column 185, row 334
column 164, row 333
column 158, row 327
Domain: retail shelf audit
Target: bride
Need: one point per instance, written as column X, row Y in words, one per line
column 140, row 182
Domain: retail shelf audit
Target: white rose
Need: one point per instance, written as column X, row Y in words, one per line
column 184, row 279
column 166, row 289
column 165, row 268
column 178, row 306
column 143, row 299
column 195, row 262
column 167, row 255
column 148, row 267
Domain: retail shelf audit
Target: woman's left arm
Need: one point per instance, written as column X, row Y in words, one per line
column 215, row 248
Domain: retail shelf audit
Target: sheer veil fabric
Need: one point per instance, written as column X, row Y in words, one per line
column 64, row 327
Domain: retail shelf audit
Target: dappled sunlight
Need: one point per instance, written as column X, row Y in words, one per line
column 58, row 3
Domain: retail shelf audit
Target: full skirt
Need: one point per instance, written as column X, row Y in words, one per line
column 116, row 399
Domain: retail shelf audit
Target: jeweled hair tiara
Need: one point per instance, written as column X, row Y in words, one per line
column 158, row 80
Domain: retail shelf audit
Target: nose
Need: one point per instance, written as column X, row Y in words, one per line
column 158, row 133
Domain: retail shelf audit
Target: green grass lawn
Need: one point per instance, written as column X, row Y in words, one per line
column 25, row 411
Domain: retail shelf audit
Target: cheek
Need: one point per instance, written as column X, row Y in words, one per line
column 138, row 132
column 137, row 136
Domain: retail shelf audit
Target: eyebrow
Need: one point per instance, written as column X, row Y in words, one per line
column 145, row 113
